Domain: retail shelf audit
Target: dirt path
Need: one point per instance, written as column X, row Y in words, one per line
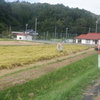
column 18, row 43
column 93, row 92
column 25, row 75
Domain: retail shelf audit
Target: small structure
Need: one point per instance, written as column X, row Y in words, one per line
column 23, row 36
column 90, row 38
column 27, row 35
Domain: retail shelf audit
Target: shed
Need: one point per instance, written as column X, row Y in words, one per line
column 23, row 36
column 27, row 35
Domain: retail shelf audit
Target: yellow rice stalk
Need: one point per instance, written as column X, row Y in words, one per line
column 14, row 56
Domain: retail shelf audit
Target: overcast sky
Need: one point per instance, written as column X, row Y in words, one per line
column 90, row 5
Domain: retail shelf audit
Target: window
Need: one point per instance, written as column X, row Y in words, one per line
column 88, row 41
column 79, row 40
column 20, row 38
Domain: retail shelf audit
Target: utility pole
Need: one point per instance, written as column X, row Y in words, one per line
column 26, row 27
column 44, row 35
column 89, row 30
column 35, row 24
column 96, row 26
column 10, row 28
column 47, row 35
column 66, row 32
column 55, row 31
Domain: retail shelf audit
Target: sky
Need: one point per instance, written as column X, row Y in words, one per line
column 89, row 5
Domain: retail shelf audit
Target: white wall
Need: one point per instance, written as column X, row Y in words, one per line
column 93, row 41
column 84, row 41
column 24, row 37
column 20, row 37
column 88, row 41
column 29, row 37
column 76, row 40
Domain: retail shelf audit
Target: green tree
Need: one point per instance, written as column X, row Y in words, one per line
column 17, row 14
column 1, row 28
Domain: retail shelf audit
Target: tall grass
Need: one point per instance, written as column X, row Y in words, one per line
column 14, row 56
column 66, row 83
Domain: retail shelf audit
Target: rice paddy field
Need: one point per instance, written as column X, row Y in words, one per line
column 14, row 56
column 66, row 83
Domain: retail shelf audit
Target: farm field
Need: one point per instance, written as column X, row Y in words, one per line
column 14, row 56
column 29, row 78
column 65, row 83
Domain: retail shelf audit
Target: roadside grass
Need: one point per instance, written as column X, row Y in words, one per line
column 14, row 56
column 4, row 39
column 66, row 83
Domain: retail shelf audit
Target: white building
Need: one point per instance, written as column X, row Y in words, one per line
column 24, row 37
column 90, row 38
column 27, row 35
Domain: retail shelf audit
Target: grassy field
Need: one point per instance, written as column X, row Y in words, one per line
column 14, row 56
column 1, row 39
column 66, row 83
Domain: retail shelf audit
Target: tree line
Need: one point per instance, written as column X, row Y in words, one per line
column 15, row 15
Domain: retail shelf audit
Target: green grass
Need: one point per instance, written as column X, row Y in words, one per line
column 4, row 39
column 66, row 83
column 57, row 40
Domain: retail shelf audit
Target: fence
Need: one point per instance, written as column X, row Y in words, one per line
column 56, row 37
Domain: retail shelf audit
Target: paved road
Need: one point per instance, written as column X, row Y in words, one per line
column 55, row 42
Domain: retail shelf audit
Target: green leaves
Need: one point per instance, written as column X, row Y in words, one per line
column 17, row 14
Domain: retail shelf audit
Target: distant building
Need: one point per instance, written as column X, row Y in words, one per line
column 31, row 32
column 23, row 36
column 27, row 35
column 90, row 38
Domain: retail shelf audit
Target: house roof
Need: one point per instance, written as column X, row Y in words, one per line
column 28, row 32
column 16, row 32
column 20, row 34
column 92, row 36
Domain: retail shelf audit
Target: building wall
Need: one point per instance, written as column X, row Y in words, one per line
column 93, row 42
column 29, row 37
column 85, row 41
column 20, row 37
column 76, row 40
column 24, row 37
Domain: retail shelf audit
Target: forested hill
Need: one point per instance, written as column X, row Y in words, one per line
column 15, row 15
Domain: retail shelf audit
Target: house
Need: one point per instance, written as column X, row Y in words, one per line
column 23, row 36
column 27, row 35
column 90, row 38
